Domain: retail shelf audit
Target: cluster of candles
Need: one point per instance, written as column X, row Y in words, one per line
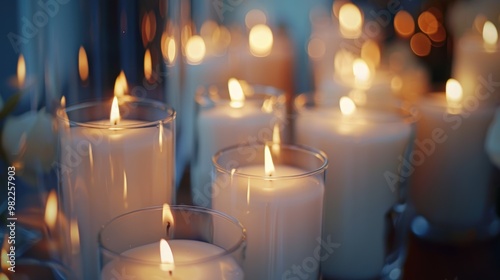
column 279, row 192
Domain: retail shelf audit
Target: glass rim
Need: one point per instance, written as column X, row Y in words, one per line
column 407, row 112
column 318, row 154
column 226, row 252
column 259, row 90
column 171, row 113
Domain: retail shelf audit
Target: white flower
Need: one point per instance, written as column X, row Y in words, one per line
column 493, row 140
column 29, row 141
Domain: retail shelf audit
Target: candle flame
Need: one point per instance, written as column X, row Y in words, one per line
column 490, row 34
column 236, row 93
column 121, row 87
column 166, row 256
column 361, row 70
column 276, row 139
column 195, row 49
column 268, row 162
column 51, row 210
column 347, row 106
column 114, row 116
column 351, row 20
column 21, row 70
column 83, row 64
column 168, row 48
column 148, row 65
column 75, row 237
column 167, row 216
column 63, row 102
column 260, row 40
column 454, row 92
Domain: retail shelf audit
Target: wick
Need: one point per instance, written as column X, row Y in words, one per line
column 170, row 272
column 168, row 230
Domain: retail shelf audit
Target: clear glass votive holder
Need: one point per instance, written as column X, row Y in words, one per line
column 281, row 210
column 110, row 168
column 221, row 123
column 204, row 244
column 366, row 189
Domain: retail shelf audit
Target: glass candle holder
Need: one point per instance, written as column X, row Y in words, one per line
column 365, row 191
column 204, row 244
column 282, row 211
column 110, row 168
column 453, row 188
column 221, row 123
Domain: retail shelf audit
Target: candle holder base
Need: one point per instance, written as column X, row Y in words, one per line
column 424, row 229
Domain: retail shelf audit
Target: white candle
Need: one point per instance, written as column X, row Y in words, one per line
column 222, row 126
column 282, row 214
column 112, row 169
column 207, row 261
column 451, row 184
column 476, row 64
column 361, row 149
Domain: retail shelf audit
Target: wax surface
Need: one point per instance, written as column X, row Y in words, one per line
column 222, row 267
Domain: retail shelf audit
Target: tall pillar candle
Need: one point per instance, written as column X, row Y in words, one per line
column 451, row 187
column 221, row 123
column 280, row 205
column 110, row 166
column 364, row 147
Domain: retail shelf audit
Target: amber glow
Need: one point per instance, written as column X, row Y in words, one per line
column 166, row 256
column 121, row 86
column 490, row 35
column 268, row 162
column 370, row 51
column 343, row 63
column 125, row 189
column 235, row 93
column 51, row 209
column 351, row 20
column 404, row 25
column 420, row 44
column 347, row 106
column 114, row 116
column 148, row 27
column 428, row 23
column 276, row 139
column 260, row 40
column 454, row 92
column 21, row 71
column 254, row 17
column 83, row 64
column 316, row 48
column 195, row 49
column 75, row 237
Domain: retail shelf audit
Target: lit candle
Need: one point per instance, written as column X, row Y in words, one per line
column 279, row 204
column 451, row 184
column 362, row 146
column 178, row 258
column 113, row 165
column 151, row 262
column 230, row 122
column 475, row 65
